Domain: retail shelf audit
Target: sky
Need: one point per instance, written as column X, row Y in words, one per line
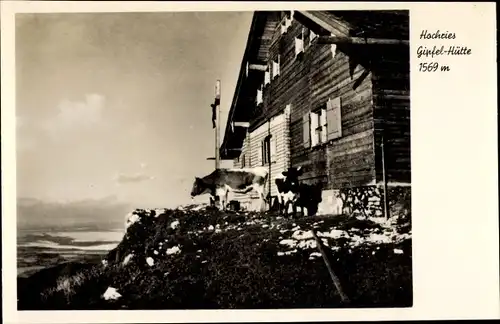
column 117, row 105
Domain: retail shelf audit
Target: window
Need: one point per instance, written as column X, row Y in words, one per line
column 259, row 96
column 312, row 36
column 299, row 43
column 286, row 22
column 276, row 67
column 323, row 124
column 267, row 77
column 266, row 150
column 318, row 126
column 243, row 161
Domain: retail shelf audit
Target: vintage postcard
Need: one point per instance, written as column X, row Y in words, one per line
column 197, row 161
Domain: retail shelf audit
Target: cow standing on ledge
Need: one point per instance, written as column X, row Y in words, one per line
column 288, row 186
column 222, row 181
column 291, row 192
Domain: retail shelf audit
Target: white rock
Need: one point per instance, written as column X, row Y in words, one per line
column 302, row 235
column 309, row 244
column 155, row 252
column 127, row 259
column 287, row 252
column 289, row 242
column 111, row 294
column 150, row 261
column 173, row 250
column 315, row 254
column 265, row 225
column 204, row 261
column 378, row 238
column 398, row 251
column 131, row 218
column 211, row 228
column 334, row 233
column 174, row 224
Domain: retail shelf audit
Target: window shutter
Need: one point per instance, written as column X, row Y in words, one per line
column 333, row 118
column 314, row 125
column 306, row 131
column 299, row 46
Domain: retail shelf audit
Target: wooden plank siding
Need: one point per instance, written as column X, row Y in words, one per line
column 306, row 83
column 278, row 128
column 372, row 82
column 391, row 88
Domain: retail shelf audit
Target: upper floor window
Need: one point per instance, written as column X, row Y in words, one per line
column 267, row 77
column 312, row 37
column 299, row 43
column 286, row 21
column 318, row 126
column 259, row 99
column 275, row 67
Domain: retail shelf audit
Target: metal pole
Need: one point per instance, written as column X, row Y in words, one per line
column 217, row 124
column 269, row 159
column 384, row 180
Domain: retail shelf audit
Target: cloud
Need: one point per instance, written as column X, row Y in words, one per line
column 132, row 178
column 75, row 116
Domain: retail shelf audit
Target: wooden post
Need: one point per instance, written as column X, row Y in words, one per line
column 384, row 180
column 217, row 124
column 334, row 277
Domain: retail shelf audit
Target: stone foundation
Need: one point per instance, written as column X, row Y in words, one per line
column 363, row 201
column 366, row 201
column 359, row 201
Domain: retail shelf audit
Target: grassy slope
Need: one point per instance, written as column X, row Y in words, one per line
column 230, row 260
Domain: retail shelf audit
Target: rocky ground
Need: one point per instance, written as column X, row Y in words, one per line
column 195, row 257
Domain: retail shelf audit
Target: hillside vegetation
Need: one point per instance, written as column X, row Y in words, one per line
column 192, row 257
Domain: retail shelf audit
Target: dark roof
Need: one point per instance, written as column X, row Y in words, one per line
column 376, row 23
column 259, row 40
